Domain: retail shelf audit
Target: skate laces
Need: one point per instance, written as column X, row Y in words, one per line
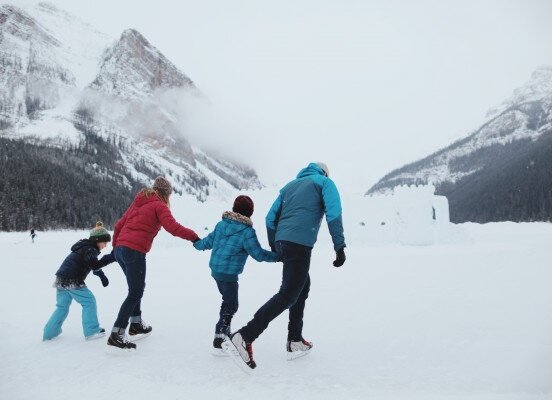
column 249, row 349
column 123, row 337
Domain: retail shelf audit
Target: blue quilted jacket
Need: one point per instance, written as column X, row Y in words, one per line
column 232, row 241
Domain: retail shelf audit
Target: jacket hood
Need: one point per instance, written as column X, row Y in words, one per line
column 142, row 199
column 311, row 169
column 235, row 223
column 83, row 243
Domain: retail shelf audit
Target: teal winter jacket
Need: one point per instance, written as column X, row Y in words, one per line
column 232, row 240
column 297, row 213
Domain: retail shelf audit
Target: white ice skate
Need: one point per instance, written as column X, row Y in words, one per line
column 96, row 335
column 240, row 351
column 297, row 349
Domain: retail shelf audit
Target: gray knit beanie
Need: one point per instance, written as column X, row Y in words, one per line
column 324, row 168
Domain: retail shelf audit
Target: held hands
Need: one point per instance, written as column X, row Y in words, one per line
column 339, row 258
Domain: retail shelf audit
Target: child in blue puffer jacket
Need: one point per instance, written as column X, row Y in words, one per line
column 232, row 241
column 70, row 284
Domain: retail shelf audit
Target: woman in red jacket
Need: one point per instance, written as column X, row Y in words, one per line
column 132, row 239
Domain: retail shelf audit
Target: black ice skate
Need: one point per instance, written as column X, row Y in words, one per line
column 218, row 349
column 139, row 330
column 118, row 340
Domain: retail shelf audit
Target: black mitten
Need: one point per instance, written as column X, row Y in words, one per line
column 339, row 258
column 100, row 274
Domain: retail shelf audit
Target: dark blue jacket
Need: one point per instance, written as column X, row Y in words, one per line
column 297, row 213
column 82, row 259
column 232, row 241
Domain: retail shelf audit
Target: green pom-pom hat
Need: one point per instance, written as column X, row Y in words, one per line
column 99, row 233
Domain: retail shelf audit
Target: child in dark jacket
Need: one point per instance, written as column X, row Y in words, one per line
column 70, row 284
column 232, row 241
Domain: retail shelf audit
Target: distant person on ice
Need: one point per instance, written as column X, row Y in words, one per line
column 292, row 225
column 33, row 234
column 70, row 284
column 132, row 239
column 232, row 241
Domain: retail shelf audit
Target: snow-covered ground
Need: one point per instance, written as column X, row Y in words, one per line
column 467, row 320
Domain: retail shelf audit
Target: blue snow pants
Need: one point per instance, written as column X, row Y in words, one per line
column 64, row 297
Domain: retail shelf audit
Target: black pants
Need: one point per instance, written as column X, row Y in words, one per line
column 229, row 306
column 133, row 264
column 292, row 294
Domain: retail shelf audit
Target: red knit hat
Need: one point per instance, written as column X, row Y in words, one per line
column 243, row 205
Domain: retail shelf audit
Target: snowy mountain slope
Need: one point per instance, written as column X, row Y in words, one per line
column 514, row 134
column 526, row 115
column 63, row 84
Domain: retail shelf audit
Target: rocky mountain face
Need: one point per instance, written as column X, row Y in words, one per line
column 105, row 104
column 500, row 171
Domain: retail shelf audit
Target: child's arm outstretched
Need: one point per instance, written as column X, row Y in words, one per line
column 91, row 259
column 254, row 249
column 206, row 243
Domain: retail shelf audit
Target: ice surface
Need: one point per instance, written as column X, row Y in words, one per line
column 464, row 320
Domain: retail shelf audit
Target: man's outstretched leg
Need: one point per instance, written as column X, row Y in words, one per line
column 295, row 275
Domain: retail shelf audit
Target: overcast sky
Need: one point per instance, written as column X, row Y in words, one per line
column 365, row 86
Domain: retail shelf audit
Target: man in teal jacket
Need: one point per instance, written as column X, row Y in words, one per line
column 292, row 224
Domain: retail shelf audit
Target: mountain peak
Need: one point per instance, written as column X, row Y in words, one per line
column 133, row 34
column 536, row 88
column 47, row 6
column 540, row 81
column 133, row 67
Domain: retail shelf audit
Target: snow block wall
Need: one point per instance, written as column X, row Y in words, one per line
column 410, row 215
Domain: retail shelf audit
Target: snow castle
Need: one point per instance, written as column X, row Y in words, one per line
column 410, row 215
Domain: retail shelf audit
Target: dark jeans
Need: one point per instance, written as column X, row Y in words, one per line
column 292, row 294
column 229, row 306
column 133, row 264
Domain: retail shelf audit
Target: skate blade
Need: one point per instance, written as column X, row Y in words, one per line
column 294, row 355
column 117, row 351
column 134, row 338
column 54, row 339
column 220, row 353
column 95, row 336
column 229, row 349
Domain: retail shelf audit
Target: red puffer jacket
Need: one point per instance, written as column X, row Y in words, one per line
column 143, row 220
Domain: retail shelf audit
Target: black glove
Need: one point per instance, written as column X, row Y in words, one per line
column 107, row 259
column 100, row 274
column 339, row 258
column 197, row 239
